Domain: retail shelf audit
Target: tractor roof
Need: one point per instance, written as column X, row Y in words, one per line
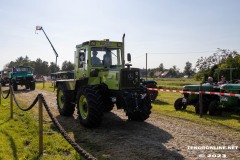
column 100, row 43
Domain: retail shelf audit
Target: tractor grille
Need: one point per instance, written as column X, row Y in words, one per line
column 130, row 78
column 24, row 79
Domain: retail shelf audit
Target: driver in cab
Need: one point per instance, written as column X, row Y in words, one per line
column 94, row 59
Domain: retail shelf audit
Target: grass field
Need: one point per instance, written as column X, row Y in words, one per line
column 48, row 86
column 164, row 104
column 174, row 83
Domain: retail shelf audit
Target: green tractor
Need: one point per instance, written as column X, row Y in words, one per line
column 226, row 103
column 22, row 75
column 102, row 78
column 5, row 76
column 193, row 99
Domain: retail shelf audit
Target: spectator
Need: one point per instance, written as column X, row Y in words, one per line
column 223, row 80
column 210, row 80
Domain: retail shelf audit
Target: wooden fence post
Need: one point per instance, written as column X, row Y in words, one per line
column 43, row 83
column 200, row 101
column 0, row 93
column 40, row 112
column 11, row 102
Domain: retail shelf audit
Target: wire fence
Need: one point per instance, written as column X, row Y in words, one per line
column 42, row 102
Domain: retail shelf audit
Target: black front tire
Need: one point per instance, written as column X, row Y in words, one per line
column 143, row 112
column 90, row 106
column 65, row 101
column 27, row 86
column 3, row 84
column 15, row 86
column 32, row 86
column 179, row 105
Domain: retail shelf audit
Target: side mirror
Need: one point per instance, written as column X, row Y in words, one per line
column 129, row 57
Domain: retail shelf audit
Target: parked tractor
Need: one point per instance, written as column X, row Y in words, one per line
column 193, row 99
column 102, row 78
column 22, row 75
column 150, row 84
column 226, row 103
column 5, row 76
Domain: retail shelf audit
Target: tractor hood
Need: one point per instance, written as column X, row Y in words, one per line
column 205, row 87
column 22, row 74
column 230, row 87
column 121, row 78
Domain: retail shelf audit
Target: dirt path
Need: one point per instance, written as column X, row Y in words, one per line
column 160, row 137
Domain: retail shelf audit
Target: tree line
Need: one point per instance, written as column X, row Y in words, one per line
column 40, row 67
column 216, row 65
column 188, row 71
column 219, row 64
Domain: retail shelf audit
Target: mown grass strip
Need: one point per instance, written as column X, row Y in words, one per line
column 19, row 137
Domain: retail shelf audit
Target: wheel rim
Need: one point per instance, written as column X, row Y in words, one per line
column 60, row 99
column 83, row 107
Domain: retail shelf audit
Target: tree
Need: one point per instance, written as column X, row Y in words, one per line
column 151, row 73
column 188, row 70
column 20, row 61
column 67, row 66
column 221, row 59
column 174, row 71
column 41, row 67
column 53, row 68
column 161, row 67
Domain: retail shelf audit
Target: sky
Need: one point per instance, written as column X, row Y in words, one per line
column 171, row 32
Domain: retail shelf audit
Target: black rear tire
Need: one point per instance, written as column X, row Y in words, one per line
column 213, row 108
column 197, row 108
column 90, row 106
column 65, row 101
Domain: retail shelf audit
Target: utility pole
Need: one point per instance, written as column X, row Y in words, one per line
column 146, row 67
column 56, row 54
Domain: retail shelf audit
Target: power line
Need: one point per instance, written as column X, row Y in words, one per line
column 189, row 52
column 141, row 55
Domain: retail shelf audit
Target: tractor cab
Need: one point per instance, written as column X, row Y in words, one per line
column 102, row 62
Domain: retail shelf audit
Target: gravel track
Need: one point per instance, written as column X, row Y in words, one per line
column 159, row 137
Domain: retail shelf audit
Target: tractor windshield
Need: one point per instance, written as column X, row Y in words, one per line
column 23, row 69
column 102, row 56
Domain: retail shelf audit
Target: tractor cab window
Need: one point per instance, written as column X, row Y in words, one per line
column 82, row 59
column 105, row 56
column 22, row 69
